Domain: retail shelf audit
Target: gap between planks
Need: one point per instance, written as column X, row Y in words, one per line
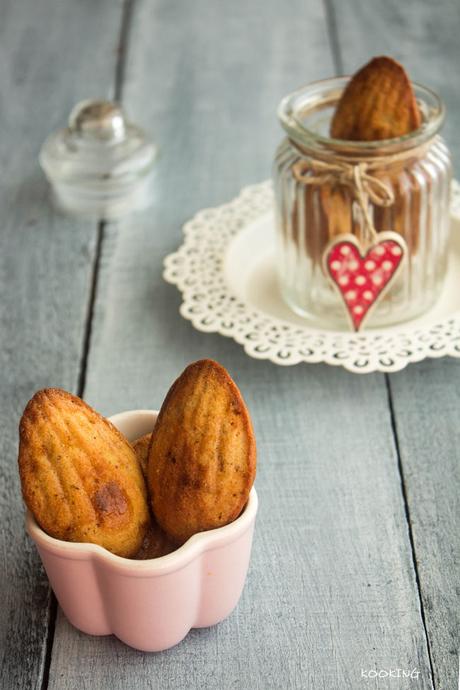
column 123, row 47
column 332, row 32
column 409, row 524
column 119, row 78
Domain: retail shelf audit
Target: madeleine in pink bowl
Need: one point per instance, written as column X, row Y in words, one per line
column 150, row 605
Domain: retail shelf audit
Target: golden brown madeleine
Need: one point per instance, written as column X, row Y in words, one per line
column 404, row 215
column 337, row 210
column 202, row 459
column 141, row 448
column 80, row 477
column 378, row 103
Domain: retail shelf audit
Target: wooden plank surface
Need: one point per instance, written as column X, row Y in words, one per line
column 331, row 590
column 426, row 396
column 46, row 263
column 426, row 403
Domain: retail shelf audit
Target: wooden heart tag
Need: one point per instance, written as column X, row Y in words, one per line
column 362, row 278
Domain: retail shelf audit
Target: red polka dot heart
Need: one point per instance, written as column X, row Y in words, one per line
column 361, row 279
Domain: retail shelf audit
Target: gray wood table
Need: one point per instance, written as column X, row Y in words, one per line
column 355, row 564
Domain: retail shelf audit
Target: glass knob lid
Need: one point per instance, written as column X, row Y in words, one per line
column 100, row 164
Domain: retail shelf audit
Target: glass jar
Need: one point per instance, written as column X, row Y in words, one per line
column 415, row 171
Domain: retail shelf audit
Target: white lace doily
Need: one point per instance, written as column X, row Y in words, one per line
column 212, row 304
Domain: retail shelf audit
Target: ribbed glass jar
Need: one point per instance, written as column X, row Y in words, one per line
column 416, row 168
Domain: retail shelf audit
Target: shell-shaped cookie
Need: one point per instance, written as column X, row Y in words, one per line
column 202, row 458
column 80, row 477
column 378, row 103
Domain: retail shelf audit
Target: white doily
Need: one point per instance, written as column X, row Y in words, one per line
column 197, row 268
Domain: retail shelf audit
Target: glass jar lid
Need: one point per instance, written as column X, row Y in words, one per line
column 99, row 164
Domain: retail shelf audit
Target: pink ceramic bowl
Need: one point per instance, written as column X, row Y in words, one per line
column 150, row 605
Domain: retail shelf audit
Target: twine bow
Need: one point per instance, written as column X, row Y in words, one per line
column 365, row 186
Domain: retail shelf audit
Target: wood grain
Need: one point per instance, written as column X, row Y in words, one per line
column 45, row 270
column 331, row 588
column 425, row 396
column 426, row 402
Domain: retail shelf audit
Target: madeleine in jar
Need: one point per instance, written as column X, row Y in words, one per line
column 334, row 180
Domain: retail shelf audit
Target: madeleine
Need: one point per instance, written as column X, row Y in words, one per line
column 80, row 477
column 202, row 458
column 141, row 448
column 378, row 103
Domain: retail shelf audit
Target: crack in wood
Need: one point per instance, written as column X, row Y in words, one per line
column 123, row 47
column 90, row 310
column 409, row 525
column 332, row 32
column 52, row 613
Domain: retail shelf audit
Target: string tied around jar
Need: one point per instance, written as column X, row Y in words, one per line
column 357, row 176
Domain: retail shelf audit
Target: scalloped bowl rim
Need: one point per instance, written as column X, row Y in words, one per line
column 193, row 547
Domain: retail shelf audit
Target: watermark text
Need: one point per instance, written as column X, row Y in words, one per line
column 390, row 673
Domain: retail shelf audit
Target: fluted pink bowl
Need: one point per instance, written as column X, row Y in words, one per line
column 150, row 605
